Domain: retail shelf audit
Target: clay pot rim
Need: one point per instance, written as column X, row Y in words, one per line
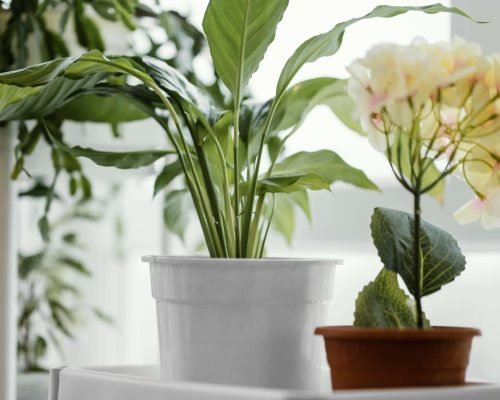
column 435, row 332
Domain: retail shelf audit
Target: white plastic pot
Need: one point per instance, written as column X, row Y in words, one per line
column 242, row 321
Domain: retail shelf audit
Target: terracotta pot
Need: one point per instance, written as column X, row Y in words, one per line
column 383, row 358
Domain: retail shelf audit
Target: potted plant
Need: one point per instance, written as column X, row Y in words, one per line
column 433, row 108
column 234, row 317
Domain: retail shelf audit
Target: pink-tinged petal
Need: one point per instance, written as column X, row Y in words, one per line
column 469, row 212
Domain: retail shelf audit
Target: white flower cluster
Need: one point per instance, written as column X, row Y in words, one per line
column 447, row 94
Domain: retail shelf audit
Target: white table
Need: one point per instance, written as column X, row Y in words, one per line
column 141, row 383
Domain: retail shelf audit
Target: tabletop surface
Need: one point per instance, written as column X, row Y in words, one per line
column 141, row 382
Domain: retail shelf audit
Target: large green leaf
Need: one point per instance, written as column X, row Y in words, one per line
column 328, row 43
column 383, row 304
column 326, row 164
column 172, row 82
column 122, row 160
column 301, row 98
column 105, row 109
column 48, row 86
column 239, row 33
column 442, row 260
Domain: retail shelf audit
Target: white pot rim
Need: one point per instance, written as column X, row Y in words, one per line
column 243, row 261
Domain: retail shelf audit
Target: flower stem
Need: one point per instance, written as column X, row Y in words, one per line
column 417, row 258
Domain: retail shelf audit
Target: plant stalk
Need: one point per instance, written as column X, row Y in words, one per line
column 417, row 257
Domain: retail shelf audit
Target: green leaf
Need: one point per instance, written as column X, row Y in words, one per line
column 328, row 43
column 44, row 228
column 283, row 220
column 239, row 33
column 301, row 199
column 290, row 183
column 176, row 211
column 167, row 175
column 125, row 160
column 383, row 304
column 74, row 264
column 40, row 347
column 106, row 109
column 27, row 264
column 301, row 98
column 442, row 260
column 344, row 107
column 324, row 163
column 39, row 189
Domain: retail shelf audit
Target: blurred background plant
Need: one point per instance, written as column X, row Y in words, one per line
column 50, row 302
column 32, row 31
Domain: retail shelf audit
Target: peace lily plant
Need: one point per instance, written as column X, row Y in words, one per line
column 219, row 152
column 230, row 156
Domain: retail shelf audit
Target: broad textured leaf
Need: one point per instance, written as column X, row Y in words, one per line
column 239, row 33
column 383, row 304
column 326, row 164
column 328, row 43
column 442, row 260
column 178, row 206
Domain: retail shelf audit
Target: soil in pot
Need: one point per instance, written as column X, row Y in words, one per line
column 385, row 358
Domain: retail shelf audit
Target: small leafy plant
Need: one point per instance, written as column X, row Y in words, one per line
column 220, row 152
column 433, row 108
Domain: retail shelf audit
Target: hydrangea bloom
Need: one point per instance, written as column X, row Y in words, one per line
column 445, row 95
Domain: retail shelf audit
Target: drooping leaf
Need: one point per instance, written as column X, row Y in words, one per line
column 284, row 217
column 383, row 304
column 289, row 183
column 328, row 43
column 176, row 211
column 167, row 175
column 239, row 33
column 122, row 160
column 301, row 199
column 106, row 109
column 324, row 163
column 442, row 260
